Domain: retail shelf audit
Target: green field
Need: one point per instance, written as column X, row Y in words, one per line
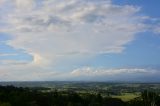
column 127, row 96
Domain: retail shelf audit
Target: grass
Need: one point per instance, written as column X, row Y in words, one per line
column 126, row 96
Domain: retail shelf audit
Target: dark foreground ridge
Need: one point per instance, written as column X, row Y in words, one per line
column 18, row 96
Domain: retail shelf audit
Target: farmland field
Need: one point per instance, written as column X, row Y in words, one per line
column 127, row 96
column 76, row 93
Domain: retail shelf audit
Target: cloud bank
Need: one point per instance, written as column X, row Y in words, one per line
column 53, row 30
column 80, row 74
column 48, row 29
column 119, row 74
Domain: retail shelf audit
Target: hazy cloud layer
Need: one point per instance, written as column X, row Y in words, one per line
column 80, row 74
column 157, row 30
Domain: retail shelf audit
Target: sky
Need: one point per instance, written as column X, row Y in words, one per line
column 80, row 40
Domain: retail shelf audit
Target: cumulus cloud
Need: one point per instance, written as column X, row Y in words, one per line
column 121, row 74
column 62, row 27
column 88, row 71
column 52, row 30
column 24, row 4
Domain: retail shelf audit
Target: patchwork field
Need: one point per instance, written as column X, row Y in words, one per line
column 127, row 96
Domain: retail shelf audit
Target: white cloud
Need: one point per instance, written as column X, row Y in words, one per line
column 18, row 73
column 58, row 27
column 121, row 74
column 24, row 4
column 13, row 62
column 52, row 30
column 26, row 72
column 88, row 71
column 1, row 2
column 8, row 54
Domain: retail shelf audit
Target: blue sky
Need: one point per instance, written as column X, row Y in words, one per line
column 95, row 40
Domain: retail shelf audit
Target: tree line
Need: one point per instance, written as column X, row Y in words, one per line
column 14, row 96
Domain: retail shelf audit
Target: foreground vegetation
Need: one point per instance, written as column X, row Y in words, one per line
column 18, row 96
